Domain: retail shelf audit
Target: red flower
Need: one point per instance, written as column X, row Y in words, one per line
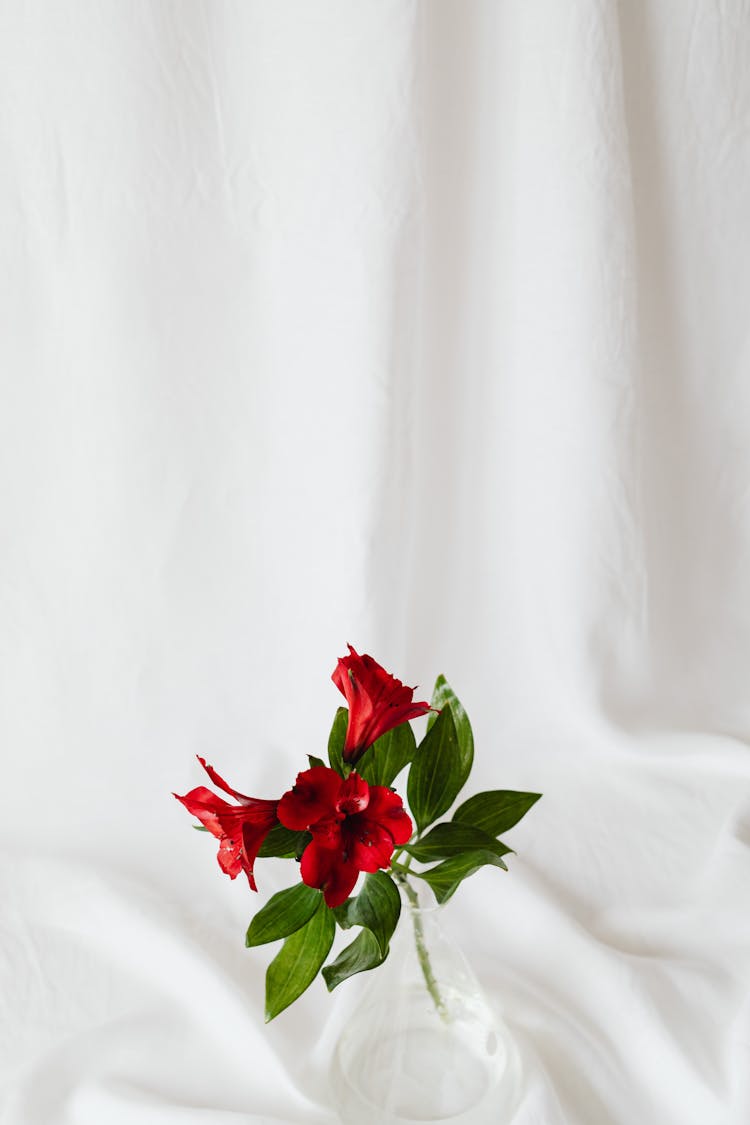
column 240, row 829
column 355, row 827
column 377, row 702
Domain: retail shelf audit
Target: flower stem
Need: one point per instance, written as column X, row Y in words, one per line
column 422, row 951
column 399, row 869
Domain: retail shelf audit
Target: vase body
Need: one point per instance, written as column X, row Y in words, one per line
column 423, row 1043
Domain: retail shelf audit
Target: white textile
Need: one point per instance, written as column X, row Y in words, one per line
column 424, row 326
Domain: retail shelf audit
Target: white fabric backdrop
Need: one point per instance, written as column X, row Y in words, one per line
column 424, row 326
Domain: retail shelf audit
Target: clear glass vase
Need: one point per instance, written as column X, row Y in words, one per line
column 423, row 1043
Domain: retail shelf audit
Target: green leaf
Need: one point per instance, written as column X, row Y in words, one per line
column 363, row 954
column 446, row 877
column 443, row 695
column 314, row 761
column 377, row 907
column 283, row 914
column 336, row 740
column 496, row 810
column 200, row 828
column 341, row 914
column 296, row 965
column 451, row 838
column 437, row 772
column 283, row 843
column 385, row 759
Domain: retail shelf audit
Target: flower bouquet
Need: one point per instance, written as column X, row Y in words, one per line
column 345, row 818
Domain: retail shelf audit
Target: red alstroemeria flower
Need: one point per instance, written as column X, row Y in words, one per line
column 377, row 702
column 240, row 829
column 355, row 827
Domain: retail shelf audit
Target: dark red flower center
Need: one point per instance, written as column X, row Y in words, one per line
column 355, row 827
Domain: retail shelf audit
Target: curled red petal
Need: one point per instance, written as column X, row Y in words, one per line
column 327, row 870
column 220, row 783
column 313, row 797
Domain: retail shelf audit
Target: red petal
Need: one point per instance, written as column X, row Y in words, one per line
column 353, row 796
column 393, row 715
column 347, row 678
column 254, row 833
column 240, row 829
column 230, row 857
column 379, row 683
column 326, row 869
column 327, row 832
column 312, row 798
column 205, row 807
column 378, row 702
column 388, row 809
column 220, row 783
column 342, row 679
column 368, row 844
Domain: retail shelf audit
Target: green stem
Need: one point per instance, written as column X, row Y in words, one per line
column 399, row 868
column 422, row 951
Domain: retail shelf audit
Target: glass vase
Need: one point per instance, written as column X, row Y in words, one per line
column 423, row 1043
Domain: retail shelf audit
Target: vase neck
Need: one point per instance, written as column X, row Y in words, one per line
column 416, row 897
